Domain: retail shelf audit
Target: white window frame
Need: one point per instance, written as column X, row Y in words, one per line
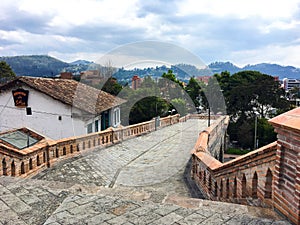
column 116, row 117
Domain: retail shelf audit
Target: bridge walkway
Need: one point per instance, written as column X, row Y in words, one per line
column 147, row 179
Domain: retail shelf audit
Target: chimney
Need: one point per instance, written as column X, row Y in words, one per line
column 66, row 75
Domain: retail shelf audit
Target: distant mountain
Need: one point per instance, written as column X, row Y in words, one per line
column 218, row 67
column 275, row 70
column 81, row 62
column 46, row 66
column 266, row 68
column 35, row 65
column 43, row 65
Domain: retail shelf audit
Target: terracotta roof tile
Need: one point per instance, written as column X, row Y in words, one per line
column 72, row 93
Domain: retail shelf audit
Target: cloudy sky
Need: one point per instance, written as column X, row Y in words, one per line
column 240, row 31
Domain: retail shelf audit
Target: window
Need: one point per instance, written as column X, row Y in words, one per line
column 116, row 117
column 96, row 125
column 89, row 128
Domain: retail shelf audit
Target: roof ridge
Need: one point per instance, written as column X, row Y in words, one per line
column 71, row 92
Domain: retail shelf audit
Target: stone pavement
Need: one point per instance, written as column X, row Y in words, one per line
column 146, row 176
column 142, row 161
column 33, row 202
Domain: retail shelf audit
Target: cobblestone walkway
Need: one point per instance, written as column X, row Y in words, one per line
column 35, row 202
column 146, row 176
column 143, row 161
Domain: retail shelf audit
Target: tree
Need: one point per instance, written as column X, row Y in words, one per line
column 170, row 76
column 142, row 104
column 194, row 90
column 112, row 86
column 6, row 73
column 147, row 108
column 214, row 96
column 249, row 94
column 179, row 105
column 169, row 81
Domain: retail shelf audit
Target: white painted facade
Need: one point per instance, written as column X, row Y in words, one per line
column 50, row 117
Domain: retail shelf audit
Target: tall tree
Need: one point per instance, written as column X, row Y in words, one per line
column 249, row 94
column 142, row 104
column 6, row 73
column 194, row 90
column 112, row 86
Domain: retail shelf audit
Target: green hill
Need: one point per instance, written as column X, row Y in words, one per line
column 35, row 65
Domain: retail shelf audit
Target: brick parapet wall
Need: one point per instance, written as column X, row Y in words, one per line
column 213, row 138
column 287, row 167
column 246, row 179
column 268, row 177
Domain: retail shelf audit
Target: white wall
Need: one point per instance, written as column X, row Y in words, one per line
column 44, row 118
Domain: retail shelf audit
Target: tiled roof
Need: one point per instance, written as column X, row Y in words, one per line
column 290, row 119
column 71, row 92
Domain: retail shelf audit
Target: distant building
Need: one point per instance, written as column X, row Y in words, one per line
column 136, row 82
column 276, row 78
column 92, row 77
column 204, row 79
column 57, row 108
column 66, row 75
column 289, row 84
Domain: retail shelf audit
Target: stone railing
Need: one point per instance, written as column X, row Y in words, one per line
column 35, row 158
column 246, row 180
column 198, row 116
column 213, row 138
column 267, row 177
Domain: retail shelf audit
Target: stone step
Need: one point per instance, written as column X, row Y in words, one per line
column 31, row 201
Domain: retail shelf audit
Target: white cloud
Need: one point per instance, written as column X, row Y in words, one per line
column 66, row 14
column 212, row 29
column 21, row 42
column 281, row 25
column 13, row 36
column 23, row 37
column 268, row 9
column 71, row 57
column 282, row 55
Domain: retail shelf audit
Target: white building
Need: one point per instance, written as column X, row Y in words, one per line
column 289, row 84
column 57, row 108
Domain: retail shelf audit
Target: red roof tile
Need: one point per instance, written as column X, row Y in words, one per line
column 71, row 92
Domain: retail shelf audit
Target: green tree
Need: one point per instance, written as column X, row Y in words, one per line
column 6, row 73
column 265, row 132
column 247, row 94
column 179, row 105
column 112, row 86
column 214, row 96
column 171, row 76
column 147, row 108
column 194, row 90
column 147, row 103
column 251, row 92
column 170, row 85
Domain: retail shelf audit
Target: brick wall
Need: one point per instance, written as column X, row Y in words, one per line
column 267, row 177
column 287, row 167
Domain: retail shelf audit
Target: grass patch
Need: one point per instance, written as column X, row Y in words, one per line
column 236, row 151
